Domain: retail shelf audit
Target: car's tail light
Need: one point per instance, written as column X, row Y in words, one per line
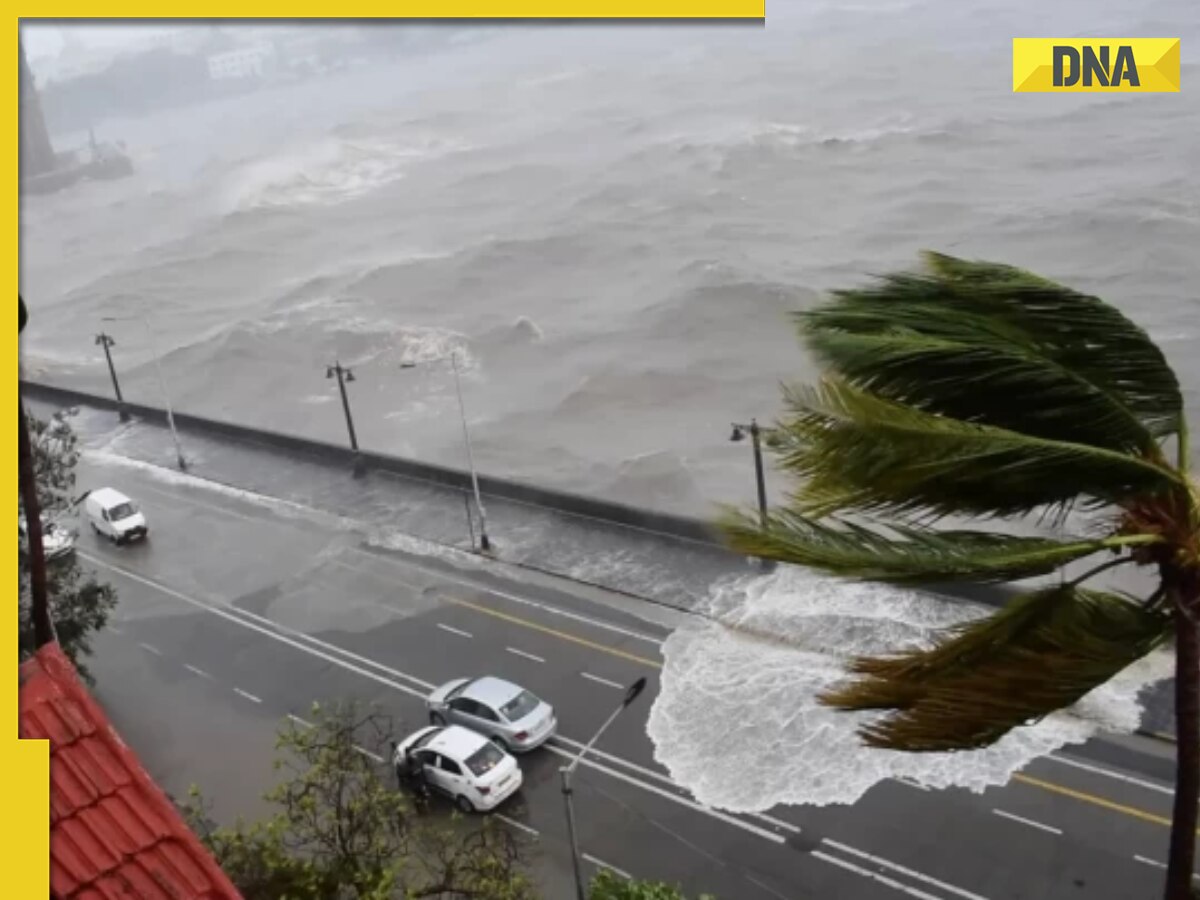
column 520, row 735
column 484, row 790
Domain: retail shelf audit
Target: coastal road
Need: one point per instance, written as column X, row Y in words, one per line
column 240, row 613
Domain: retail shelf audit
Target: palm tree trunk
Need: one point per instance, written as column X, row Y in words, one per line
column 1181, row 861
column 43, row 625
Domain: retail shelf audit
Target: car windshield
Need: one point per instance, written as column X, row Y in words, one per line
column 121, row 511
column 484, row 759
column 519, row 706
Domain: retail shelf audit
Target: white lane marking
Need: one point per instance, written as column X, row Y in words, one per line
column 1150, row 862
column 912, row 784
column 515, row 598
column 896, row 867
column 515, row 824
column 199, row 672
column 599, row 863
column 596, row 678
column 537, row 659
column 114, row 629
column 149, row 648
column 590, row 763
column 248, row 696
column 300, row 721
column 874, row 876
column 367, row 753
column 1030, row 822
column 1109, row 773
column 457, row 631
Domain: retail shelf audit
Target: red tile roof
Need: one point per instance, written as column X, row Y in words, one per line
column 114, row 835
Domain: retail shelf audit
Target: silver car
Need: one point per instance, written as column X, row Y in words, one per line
column 507, row 713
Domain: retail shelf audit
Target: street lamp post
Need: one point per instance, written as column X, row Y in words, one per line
column 631, row 694
column 162, row 386
column 106, row 341
column 343, row 375
column 739, row 432
column 485, row 543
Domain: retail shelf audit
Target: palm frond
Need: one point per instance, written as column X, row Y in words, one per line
column 855, row 450
column 1041, row 653
column 994, row 344
column 902, row 554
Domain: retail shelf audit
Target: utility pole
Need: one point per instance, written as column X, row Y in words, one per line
column 484, row 544
column 106, row 341
column 343, row 374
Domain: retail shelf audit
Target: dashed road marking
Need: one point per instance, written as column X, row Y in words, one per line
column 596, row 678
column 1109, row 773
column 524, row 654
column 247, row 695
column 149, row 648
column 1150, row 862
column 603, row 865
column 515, row 824
column 554, row 632
column 367, row 753
column 1030, row 822
column 300, row 721
column 454, row 630
column 200, row 672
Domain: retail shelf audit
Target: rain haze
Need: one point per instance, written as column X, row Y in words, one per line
column 610, row 226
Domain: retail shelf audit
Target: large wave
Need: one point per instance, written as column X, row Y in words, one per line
column 772, row 644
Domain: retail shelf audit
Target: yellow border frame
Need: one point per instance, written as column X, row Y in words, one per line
column 25, row 765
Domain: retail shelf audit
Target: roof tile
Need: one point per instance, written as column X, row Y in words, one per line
column 114, row 835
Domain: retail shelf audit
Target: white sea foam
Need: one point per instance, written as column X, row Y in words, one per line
column 774, row 643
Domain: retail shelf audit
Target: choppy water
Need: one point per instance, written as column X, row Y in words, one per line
column 611, row 224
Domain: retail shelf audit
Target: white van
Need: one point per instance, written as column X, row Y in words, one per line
column 115, row 516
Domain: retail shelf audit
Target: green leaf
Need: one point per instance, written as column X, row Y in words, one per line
column 907, row 554
column 855, row 450
column 1041, row 653
column 1016, row 333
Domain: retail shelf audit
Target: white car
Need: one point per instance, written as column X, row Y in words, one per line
column 465, row 766
column 57, row 541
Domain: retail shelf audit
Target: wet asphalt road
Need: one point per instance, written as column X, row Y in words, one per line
column 233, row 616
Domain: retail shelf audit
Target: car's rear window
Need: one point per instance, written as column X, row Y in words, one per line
column 458, row 690
column 484, row 759
column 425, row 738
column 121, row 511
column 519, row 706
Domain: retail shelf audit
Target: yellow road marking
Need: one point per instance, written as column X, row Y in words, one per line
column 613, row 651
column 562, row 635
column 1092, row 798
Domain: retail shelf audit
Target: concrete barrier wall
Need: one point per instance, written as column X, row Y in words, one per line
column 681, row 527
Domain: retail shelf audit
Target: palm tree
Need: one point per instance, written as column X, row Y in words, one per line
column 980, row 391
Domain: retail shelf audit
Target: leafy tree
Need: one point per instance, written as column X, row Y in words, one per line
column 343, row 830
column 79, row 604
column 982, row 391
column 607, row 886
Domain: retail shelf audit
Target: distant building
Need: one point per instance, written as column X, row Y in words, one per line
column 37, row 154
column 244, row 62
